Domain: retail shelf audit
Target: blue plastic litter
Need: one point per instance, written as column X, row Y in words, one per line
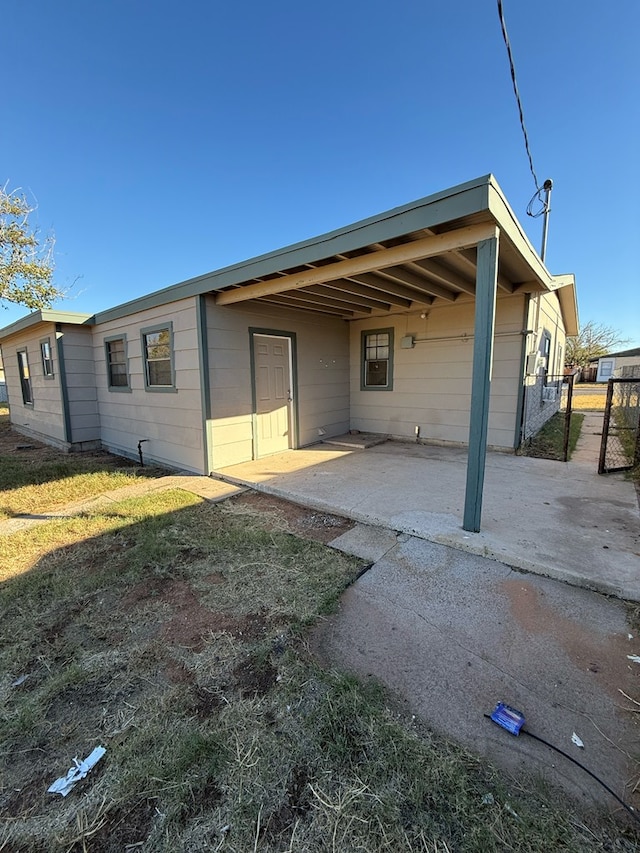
column 508, row 718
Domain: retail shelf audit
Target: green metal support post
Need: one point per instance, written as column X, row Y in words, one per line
column 485, row 315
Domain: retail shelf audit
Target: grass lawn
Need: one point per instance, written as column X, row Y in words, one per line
column 35, row 478
column 548, row 443
column 173, row 632
column 589, row 396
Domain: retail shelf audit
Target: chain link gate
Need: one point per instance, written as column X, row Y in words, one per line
column 620, row 447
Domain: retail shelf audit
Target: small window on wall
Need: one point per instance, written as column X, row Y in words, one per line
column 157, row 350
column 47, row 358
column 606, row 369
column 377, row 360
column 117, row 373
column 25, row 378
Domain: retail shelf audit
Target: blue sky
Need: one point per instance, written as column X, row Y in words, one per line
column 164, row 140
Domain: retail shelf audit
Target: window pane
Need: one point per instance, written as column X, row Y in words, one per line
column 160, row 372
column 157, row 347
column 25, row 381
column 117, row 364
column 377, row 356
column 376, row 373
column 47, row 360
column 158, row 351
column 158, row 344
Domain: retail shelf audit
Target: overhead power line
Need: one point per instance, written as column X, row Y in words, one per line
column 512, row 66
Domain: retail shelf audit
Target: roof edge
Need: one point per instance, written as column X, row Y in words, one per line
column 46, row 315
column 565, row 289
column 271, row 262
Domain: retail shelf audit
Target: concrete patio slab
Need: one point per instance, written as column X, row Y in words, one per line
column 557, row 519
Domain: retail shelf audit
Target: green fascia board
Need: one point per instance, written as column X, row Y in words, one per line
column 511, row 228
column 446, row 206
column 45, row 316
column 565, row 290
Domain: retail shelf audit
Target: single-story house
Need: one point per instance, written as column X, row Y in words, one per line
column 428, row 321
column 619, row 365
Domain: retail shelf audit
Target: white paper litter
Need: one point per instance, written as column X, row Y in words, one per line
column 80, row 769
column 575, row 739
column 634, row 658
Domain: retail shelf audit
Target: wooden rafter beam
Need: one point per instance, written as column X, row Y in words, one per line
column 528, row 287
column 427, row 247
column 339, row 295
column 345, row 285
column 419, row 282
column 300, row 304
column 306, row 296
column 467, row 258
column 446, row 276
column 385, row 286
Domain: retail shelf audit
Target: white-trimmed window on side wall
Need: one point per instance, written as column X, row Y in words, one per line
column 157, row 352
column 117, row 368
column 377, row 360
column 25, row 377
column 47, row 358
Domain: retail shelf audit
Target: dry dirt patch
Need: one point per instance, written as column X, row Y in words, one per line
column 305, row 522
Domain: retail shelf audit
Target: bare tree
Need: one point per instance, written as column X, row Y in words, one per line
column 26, row 262
column 594, row 340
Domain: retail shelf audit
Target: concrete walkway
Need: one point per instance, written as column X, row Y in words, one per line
column 587, row 450
column 556, row 519
column 452, row 634
column 211, row 490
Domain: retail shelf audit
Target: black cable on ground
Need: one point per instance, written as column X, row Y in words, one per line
column 564, row 754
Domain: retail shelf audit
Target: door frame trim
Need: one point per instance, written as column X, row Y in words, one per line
column 293, row 367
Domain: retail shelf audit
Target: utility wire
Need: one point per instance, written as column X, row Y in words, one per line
column 564, row 754
column 505, row 36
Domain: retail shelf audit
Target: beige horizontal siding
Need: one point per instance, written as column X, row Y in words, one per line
column 45, row 417
column 432, row 380
column 170, row 420
column 77, row 347
column 322, row 374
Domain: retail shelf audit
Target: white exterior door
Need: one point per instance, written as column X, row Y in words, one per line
column 273, row 393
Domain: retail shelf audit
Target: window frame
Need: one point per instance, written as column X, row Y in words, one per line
column 25, row 381
column 151, row 330
column 47, row 373
column 111, row 387
column 364, row 360
column 605, row 370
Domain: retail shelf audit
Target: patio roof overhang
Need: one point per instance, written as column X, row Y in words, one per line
column 405, row 259
column 464, row 242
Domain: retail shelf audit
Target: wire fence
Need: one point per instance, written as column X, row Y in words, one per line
column 545, row 397
column 620, row 447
